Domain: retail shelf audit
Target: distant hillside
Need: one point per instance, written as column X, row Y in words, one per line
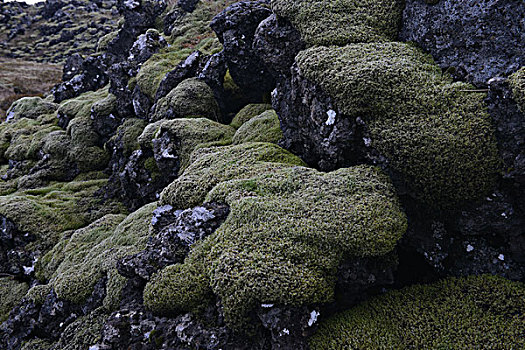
column 53, row 30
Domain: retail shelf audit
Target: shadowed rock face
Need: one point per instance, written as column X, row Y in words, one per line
column 473, row 40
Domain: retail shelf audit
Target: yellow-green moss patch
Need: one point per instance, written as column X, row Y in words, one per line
column 517, row 84
column 484, row 312
column 263, row 128
column 341, row 22
column 437, row 133
column 210, row 166
column 287, row 232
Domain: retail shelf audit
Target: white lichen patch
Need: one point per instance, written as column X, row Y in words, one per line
column 331, row 117
column 313, row 318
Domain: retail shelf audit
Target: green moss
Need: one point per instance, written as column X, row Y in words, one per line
column 287, row 232
column 263, row 128
column 30, row 107
column 38, row 294
column 435, row 132
column 155, row 69
column 186, row 283
column 38, row 344
column 343, row 21
column 517, row 84
column 191, row 98
column 48, row 211
column 83, row 332
column 127, row 135
column 248, row 112
column 187, row 135
column 104, row 41
column 11, row 293
column 484, row 312
column 210, row 166
column 77, row 262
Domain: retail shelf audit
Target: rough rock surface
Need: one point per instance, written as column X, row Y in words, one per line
column 473, row 40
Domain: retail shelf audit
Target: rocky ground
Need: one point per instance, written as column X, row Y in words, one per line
column 51, row 31
column 280, row 174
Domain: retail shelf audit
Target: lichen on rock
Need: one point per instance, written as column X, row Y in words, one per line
column 457, row 313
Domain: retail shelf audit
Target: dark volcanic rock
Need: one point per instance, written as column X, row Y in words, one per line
column 46, row 320
column 14, row 260
column 277, row 43
column 305, row 113
column 235, row 27
column 175, row 231
column 90, row 76
column 477, row 40
column 188, row 68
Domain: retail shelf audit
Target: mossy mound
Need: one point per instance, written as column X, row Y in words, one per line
column 187, row 135
column 209, row 166
column 11, row 293
column 436, row 133
column 484, row 312
column 83, row 333
column 79, row 260
column 248, row 112
column 517, row 84
column 344, row 21
column 37, row 344
column 287, row 232
column 191, row 98
column 85, row 144
column 48, row 211
column 22, row 138
column 30, row 107
column 263, row 128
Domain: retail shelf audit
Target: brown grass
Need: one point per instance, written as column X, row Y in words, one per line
column 20, row 78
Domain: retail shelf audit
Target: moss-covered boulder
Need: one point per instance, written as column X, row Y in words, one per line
column 83, row 332
column 184, row 135
column 436, row 133
column 287, row 232
column 248, row 112
column 263, row 128
column 80, row 259
column 517, row 84
column 343, row 21
column 484, row 312
column 209, row 166
column 11, row 293
column 31, row 108
column 48, row 211
column 191, row 98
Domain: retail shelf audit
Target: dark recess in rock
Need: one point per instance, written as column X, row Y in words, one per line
column 235, row 27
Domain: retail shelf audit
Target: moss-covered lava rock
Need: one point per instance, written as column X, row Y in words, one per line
column 11, row 293
column 48, row 211
column 248, row 112
column 484, row 312
column 209, row 166
column 191, row 98
column 31, row 108
column 343, row 21
column 517, row 84
column 262, row 128
column 437, row 133
column 286, row 234
column 79, row 260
